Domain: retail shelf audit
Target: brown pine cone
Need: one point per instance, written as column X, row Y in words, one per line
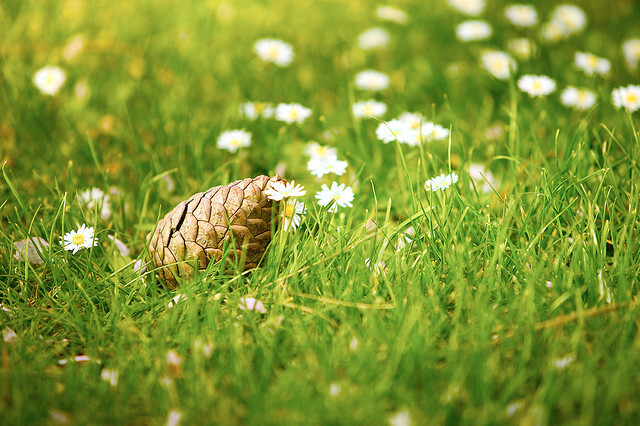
column 238, row 214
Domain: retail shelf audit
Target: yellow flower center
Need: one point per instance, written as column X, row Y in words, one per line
column 632, row 98
column 289, row 211
column 77, row 239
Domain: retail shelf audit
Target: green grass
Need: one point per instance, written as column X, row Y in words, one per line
column 467, row 322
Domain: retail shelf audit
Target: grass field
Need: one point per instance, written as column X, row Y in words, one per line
column 507, row 296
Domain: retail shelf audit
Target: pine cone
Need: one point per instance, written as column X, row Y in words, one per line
column 238, row 214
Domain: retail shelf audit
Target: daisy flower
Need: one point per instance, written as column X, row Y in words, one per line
column 110, row 376
column 9, row 335
column 553, row 31
column 251, row 304
column 323, row 166
column 232, row 140
column 255, row 110
column 73, row 48
column 441, row 182
column 570, row 17
column 522, row 48
column 631, row 50
column 521, row 15
column 562, row 363
column 336, row 196
column 536, row 85
column 279, row 190
column 627, row 97
column 412, row 119
column 393, row 130
column 315, row 150
column 76, row 240
column 272, row 50
column 49, row 80
column 371, row 80
column 374, row 38
column 96, row 197
column 473, row 31
column 482, row 177
column 292, row 113
column 292, row 214
column 401, row 418
column 370, row 108
column 498, row 64
column 468, row 7
column 591, row 64
column 173, row 418
column 581, row 99
column 433, row 132
column 393, row 14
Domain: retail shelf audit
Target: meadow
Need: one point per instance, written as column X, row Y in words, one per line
column 465, row 251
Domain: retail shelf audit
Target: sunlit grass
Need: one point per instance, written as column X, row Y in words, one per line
column 508, row 295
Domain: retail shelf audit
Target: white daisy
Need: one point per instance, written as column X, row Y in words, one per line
column 73, row 48
column 482, row 177
column 401, row 418
column 374, row 38
column 292, row 113
column 631, row 50
column 76, row 240
column 394, row 130
column 272, row 50
column 323, row 166
column 591, row 64
column 251, row 304
column 9, row 335
column 412, row 119
column 49, row 79
column 536, row 85
column 433, row 132
column 522, row 48
column 173, row 418
column 393, row 14
column 627, row 97
column 371, row 80
column 110, row 376
column 370, row 108
column 581, row 99
column 562, row 363
column 572, row 18
column 96, row 197
column 255, row 110
column 277, row 191
column 232, row 140
column 473, row 30
column 336, row 196
column 315, row 150
column 553, row 31
column 521, row 15
column 292, row 214
column 441, row 182
column 468, row 7
column 334, row 389
column 498, row 64
column 173, row 359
